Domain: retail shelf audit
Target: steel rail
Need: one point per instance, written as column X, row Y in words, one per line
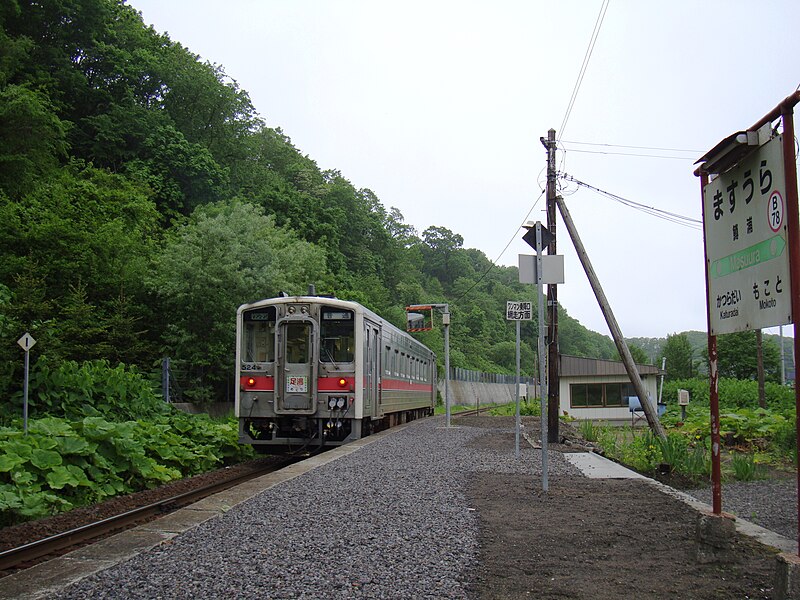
column 16, row 556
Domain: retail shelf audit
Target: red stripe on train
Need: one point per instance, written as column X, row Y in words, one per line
column 257, row 383
column 336, row 384
column 405, row 386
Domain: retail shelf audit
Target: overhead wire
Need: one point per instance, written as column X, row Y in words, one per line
column 676, row 218
column 631, row 147
column 493, row 264
column 587, row 56
column 690, row 158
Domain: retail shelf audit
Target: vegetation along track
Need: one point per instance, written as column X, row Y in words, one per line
column 30, row 552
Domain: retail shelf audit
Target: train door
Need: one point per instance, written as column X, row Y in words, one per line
column 372, row 366
column 296, row 373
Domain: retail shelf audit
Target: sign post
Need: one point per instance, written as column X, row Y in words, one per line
column 518, row 311
column 545, row 269
column 26, row 342
column 751, row 229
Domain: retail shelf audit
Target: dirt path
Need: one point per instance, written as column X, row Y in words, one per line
column 601, row 539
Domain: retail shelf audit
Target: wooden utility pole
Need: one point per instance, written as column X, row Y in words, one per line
column 611, row 321
column 552, row 296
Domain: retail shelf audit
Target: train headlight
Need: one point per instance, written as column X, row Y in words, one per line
column 340, row 402
column 251, row 381
column 331, row 402
column 342, row 382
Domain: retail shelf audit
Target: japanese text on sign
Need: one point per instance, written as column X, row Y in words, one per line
column 297, row 384
column 519, row 311
column 746, row 248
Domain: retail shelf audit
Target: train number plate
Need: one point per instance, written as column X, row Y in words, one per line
column 297, row 384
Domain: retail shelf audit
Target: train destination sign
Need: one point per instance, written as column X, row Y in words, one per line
column 519, row 311
column 746, row 232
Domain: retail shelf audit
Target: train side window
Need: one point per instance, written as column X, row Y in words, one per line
column 395, row 361
column 387, row 367
column 258, row 336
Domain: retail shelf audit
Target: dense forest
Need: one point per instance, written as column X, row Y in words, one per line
column 143, row 198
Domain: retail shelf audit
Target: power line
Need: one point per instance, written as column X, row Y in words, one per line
column 633, row 147
column 639, row 155
column 492, row 265
column 682, row 220
column 584, row 66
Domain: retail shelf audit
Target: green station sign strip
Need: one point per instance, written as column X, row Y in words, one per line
column 749, row 257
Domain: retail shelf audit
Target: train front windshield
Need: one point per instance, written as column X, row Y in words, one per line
column 258, row 335
column 337, row 334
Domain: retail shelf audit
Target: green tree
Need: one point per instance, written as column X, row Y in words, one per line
column 443, row 255
column 32, row 138
column 639, row 355
column 680, row 357
column 227, row 254
column 737, row 356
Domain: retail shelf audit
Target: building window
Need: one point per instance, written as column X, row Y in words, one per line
column 598, row 395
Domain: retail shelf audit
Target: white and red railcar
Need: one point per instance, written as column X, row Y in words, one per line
column 321, row 371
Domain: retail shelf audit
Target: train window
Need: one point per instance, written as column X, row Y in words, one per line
column 395, row 363
column 386, row 366
column 297, row 345
column 337, row 334
column 258, row 335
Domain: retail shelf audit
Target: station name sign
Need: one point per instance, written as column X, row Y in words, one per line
column 746, row 232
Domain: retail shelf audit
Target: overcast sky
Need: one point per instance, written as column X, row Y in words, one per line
column 438, row 107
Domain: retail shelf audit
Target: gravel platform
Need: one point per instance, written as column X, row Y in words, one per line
column 391, row 520
column 771, row 504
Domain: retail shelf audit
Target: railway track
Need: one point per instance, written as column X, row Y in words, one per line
column 473, row 412
column 29, row 554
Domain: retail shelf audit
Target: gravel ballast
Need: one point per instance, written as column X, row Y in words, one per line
column 771, row 504
column 390, row 520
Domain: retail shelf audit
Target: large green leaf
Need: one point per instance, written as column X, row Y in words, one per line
column 60, row 477
column 51, row 427
column 45, row 459
column 69, row 475
column 9, row 461
column 18, row 447
column 75, row 445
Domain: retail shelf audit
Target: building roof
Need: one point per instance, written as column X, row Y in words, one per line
column 578, row 366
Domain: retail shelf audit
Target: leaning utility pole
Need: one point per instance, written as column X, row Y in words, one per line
column 611, row 321
column 552, row 295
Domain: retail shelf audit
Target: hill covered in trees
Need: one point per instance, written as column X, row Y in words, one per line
column 143, row 198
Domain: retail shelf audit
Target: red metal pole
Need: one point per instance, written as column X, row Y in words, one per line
column 713, row 374
column 793, row 216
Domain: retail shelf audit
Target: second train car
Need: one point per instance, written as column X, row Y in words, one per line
column 318, row 371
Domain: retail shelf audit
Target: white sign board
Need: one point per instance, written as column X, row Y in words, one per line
column 519, row 311
column 746, row 232
column 683, row 397
column 297, row 384
column 26, row 342
column 552, row 268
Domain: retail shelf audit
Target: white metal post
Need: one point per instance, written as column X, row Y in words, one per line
column 543, row 383
column 516, row 394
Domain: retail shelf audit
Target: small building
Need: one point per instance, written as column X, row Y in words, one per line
column 598, row 390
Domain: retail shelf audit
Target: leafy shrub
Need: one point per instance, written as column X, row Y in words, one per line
column 61, row 464
column 744, row 466
column 589, row 430
column 74, row 390
column 674, row 450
